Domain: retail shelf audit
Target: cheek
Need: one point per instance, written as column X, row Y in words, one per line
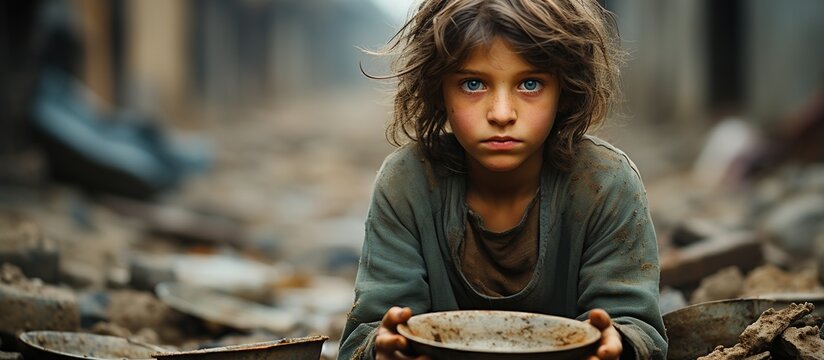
column 460, row 120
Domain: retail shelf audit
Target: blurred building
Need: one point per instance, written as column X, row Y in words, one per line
column 181, row 59
column 186, row 60
column 697, row 61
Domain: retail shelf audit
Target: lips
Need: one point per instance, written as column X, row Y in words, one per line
column 501, row 142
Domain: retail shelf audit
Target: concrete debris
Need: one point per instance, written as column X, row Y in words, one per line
column 23, row 244
column 139, row 311
column 690, row 264
column 761, row 333
column 31, row 305
column 803, row 343
column 809, row 320
column 693, row 230
column 769, row 279
column 725, row 284
column 794, row 222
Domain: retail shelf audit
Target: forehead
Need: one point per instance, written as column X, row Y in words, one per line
column 497, row 55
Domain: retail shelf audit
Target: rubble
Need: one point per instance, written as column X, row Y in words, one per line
column 763, row 281
column 692, row 263
column 31, row 305
column 141, row 312
column 803, row 343
column 769, row 279
column 23, row 244
column 725, row 284
column 761, row 333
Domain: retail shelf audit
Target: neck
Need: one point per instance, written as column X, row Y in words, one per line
column 500, row 186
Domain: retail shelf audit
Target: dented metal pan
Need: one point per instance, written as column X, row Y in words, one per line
column 61, row 345
column 306, row 348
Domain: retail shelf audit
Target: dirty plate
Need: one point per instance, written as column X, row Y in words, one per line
column 306, row 348
column 71, row 345
column 225, row 309
column 479, row 334
column 696, row 330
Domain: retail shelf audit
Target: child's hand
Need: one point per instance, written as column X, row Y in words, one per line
column 388, row 343
column 610, row 346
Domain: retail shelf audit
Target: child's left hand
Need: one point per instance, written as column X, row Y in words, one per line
column 610, row 347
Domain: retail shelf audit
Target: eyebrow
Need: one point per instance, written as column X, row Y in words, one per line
column 521, row 73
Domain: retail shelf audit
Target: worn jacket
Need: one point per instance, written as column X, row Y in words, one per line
column 597, row 249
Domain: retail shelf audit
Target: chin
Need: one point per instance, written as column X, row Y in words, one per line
column 501, row 166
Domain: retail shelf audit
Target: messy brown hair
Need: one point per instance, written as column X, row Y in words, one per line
column 574, row 39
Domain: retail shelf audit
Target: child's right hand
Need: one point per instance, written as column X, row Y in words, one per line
column 388, row 343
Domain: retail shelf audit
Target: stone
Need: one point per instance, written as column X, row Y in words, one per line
column 23, row 244
column 725, row 284
column 794, row 223
column 803, row 343
column 31, row 305
column 688, row 265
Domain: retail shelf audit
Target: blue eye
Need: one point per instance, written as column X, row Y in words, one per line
column 531, row 85
column 472, row 85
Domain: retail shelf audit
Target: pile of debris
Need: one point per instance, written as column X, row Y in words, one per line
column 742, row 231
column 788, row 333
column 172, row 299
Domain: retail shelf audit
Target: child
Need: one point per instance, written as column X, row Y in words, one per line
column 501, row 201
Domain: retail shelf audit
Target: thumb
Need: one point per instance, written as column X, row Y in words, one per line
column 600, row 319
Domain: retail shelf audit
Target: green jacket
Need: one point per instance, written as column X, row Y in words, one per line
column 597, row 249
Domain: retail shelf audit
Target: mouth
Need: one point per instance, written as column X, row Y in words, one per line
column 501, row 142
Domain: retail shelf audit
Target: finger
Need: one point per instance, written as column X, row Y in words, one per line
column 389, row 318
column 389, row 343
column 611, row 346
column 600, row 319
column 395, row 316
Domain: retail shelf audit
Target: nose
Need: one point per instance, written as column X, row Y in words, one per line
column 502, row 109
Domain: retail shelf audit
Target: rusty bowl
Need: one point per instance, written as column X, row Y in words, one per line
column 60, row 345
column 306, row 348
column 493, row 335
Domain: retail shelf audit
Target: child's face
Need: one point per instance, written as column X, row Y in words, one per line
column 500, row 108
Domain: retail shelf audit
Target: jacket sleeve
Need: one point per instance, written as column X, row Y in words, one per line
column 619, row 265
column 391, row 271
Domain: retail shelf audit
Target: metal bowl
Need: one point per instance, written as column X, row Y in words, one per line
column 306, row 348
column 481, row 334
column 70, row 345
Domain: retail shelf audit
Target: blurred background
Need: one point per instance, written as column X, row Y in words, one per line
column 232, row 146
